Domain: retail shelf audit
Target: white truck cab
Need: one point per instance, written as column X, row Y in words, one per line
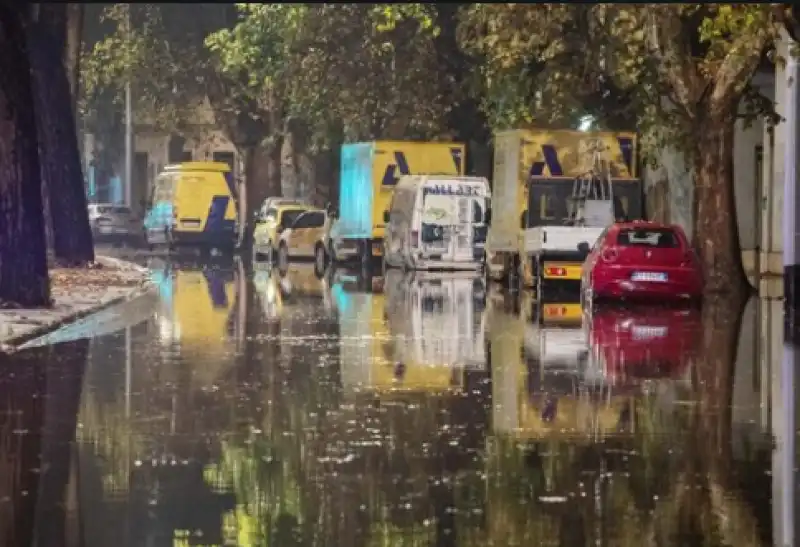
column 437, row 222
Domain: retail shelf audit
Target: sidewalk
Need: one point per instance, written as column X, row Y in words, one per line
column 76, row 294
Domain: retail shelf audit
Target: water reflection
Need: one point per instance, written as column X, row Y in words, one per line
column 270, row 408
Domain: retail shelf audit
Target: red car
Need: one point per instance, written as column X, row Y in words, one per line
column 642, row 260
column 645, row 342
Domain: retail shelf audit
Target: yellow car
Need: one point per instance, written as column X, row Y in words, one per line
column 305, row 238
column 271, row 220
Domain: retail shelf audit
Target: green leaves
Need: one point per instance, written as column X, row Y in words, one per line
column 670, row 63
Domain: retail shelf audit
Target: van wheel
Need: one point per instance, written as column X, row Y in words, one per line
column 320, row 259
column 331, row 252
column 283, row 258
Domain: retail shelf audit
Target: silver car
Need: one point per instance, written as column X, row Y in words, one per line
column 115, row 224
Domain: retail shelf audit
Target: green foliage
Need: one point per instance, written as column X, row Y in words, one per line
column 674, row 65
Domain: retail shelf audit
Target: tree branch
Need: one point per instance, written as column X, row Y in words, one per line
column 673, row 57
column 736, row 69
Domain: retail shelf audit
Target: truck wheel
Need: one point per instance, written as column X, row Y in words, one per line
column 366, row 257
column 320, row 259
column 514, row 274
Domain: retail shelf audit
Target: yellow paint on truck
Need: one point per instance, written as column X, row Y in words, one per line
column 194, row 202
column 409, row 158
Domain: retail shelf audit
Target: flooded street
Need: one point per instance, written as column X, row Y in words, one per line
column 413, row 410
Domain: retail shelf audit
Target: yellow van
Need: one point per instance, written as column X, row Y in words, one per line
column 192, row 203
column 271, row 221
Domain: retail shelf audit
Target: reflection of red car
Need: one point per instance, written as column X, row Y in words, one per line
column 645, row 343
column 642, row 260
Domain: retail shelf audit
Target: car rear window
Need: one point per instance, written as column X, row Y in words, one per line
column 661, row 238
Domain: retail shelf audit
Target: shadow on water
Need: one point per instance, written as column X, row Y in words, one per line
column 276, row 408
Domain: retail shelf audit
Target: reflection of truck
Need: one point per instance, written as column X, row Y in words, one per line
column 528, row 404
column 197, row 312
column 534, row 176
column 374, row 357
column 556, row 342
column 436, row 320
column 369, row 173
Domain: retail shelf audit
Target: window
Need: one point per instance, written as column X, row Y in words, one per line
column 477, row 212
column 163, row 188
column 288, row 217
column 313, row 219
column 225, row 157
column 661, row 238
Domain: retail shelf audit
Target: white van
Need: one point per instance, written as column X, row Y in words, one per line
column 437, row 222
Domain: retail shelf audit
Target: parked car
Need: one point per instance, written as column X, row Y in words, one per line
column 305, row 238
column 115, row 224
column 271, row 220
column 641, row 260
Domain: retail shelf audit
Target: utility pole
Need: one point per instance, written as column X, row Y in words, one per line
column 128, row 181
column 791, row 269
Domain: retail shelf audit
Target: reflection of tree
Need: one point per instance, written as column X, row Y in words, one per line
column 41, row 392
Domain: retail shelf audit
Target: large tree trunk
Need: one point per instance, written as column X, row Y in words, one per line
column 716, row 226
column 23, row 256
column 60, row 157
column 72, row 51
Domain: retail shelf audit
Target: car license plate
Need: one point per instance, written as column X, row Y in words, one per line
column 647, row 333
column 658, row 277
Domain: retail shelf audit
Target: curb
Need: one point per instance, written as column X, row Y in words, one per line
column 14, row 344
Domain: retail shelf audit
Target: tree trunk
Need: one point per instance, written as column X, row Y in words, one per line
column 72, row 51
column 273, row 187
column 58, row 141
column 716, row 227
column 23, row 256
column 245, row 206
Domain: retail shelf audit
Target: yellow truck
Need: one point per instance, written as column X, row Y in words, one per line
column 369, row 173
column 533, row 181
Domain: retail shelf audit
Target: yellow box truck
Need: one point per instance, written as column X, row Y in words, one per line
column 369, row 173
column 534, row 173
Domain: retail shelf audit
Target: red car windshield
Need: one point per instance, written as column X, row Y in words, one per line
column 657, row 238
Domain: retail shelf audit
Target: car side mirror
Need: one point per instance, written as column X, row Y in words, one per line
column 583, row 247
column 386, row 216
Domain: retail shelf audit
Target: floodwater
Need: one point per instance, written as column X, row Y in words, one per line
column 418, row 410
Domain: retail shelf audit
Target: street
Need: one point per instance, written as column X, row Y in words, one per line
column 259, row 408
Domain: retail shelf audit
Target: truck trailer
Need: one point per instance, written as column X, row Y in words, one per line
column 369, row 173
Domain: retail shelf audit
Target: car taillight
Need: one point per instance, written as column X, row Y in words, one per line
column 609, row 254
column 414, row 239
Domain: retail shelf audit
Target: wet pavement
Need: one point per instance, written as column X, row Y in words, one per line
column 259, row 409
